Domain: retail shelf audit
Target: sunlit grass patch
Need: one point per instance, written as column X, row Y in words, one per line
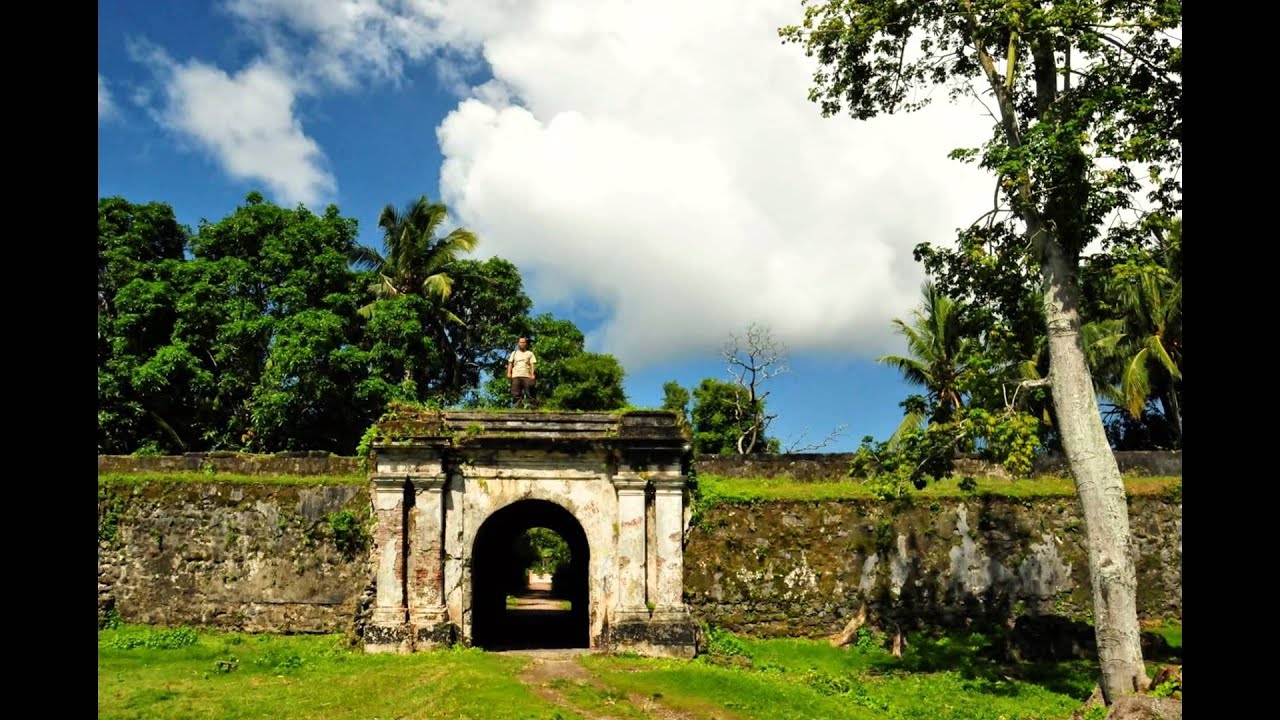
column 236, row 675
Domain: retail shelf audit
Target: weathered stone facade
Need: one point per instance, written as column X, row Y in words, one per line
column 253, row 557
column 440, row 482
column 804, row 568
column 264, row 557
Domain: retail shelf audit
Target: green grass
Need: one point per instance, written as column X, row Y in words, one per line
column 944, row 677
column 597, row 701
column 795, row 655
column 277, row 677
column 733, row 489
column 708, row 691
column 1170, row 630
column 179, row 673
column 200, row 477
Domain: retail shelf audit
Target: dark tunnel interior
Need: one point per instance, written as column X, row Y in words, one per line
column 498, row 570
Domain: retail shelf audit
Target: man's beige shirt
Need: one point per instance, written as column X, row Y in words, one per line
column 522, row 363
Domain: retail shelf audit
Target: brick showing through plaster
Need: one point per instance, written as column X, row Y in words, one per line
column 614, row 474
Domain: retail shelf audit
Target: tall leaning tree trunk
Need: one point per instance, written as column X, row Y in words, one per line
column 1097, row 477
column 1089, row 455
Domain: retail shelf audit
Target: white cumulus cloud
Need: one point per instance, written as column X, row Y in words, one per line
column 662, row 158
column 106, row 105
column 246, row 122
column 659, row 158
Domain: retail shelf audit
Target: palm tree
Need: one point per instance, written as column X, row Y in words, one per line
column 1142, row 350
column 415, row 260
column 937, row 347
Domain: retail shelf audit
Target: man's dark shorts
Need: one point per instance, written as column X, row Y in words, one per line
column 522, row 387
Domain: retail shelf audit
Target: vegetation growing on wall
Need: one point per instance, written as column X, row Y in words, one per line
column 350, row 532
column 715, row 489
column 140, row 479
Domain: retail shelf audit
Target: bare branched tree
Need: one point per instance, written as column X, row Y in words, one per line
column 795, row 447
column 753, row 359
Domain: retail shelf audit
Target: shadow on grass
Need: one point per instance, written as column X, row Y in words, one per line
column 984, row 659
column 1067, row 664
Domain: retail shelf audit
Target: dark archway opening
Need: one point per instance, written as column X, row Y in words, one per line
column 500, row 567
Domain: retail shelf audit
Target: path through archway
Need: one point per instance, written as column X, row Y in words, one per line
column 500, row 571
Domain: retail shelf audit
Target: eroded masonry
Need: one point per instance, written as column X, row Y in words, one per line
column 453, row 491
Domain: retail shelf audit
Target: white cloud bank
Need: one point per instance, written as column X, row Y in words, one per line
column 663, row 158
column 659, row 158
column 245, row 121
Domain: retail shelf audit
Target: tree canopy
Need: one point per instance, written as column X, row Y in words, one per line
column 1086, row 146
column 273, row 329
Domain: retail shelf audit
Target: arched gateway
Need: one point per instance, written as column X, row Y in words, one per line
column 451, row 490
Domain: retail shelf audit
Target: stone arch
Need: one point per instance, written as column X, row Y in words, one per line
column 452, row 486
column 492, row 626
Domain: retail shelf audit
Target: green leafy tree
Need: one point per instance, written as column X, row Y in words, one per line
column 676, row 399
column 1083, row 92
column 133, row 241
column 255, row 338
column 1136, row 342
column 417, row 261
column 402, row 350
column 489, row 300
column 549, row 549
column 723, row 415
column 269, row 307
column 414, row 260
column 316, row 391
column 554, row 342
column 588, row 381
column 246, row 342
column 140, row 255
column 1004, row 310
column 948, row 358
column 938, row 350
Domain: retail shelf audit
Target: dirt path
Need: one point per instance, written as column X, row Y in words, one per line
column 559, row 678
column 554, row 674
column 538, row 598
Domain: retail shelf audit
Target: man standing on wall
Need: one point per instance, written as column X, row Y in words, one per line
column 522, row 371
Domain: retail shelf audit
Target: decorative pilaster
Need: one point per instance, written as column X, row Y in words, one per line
column 631, row 547
column 387, row 631
column 427, row 614
column 663, row 627
column 668, row 500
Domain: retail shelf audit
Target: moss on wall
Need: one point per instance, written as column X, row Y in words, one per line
column 281, row 551
column 803, row 568
column 245, row 556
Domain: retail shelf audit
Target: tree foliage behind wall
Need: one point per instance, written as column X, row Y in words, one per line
column 256, row 333
column 723, row 414
column 568, row 377
column 140, row 252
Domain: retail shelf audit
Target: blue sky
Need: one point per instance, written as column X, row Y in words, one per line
column 659, row 184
